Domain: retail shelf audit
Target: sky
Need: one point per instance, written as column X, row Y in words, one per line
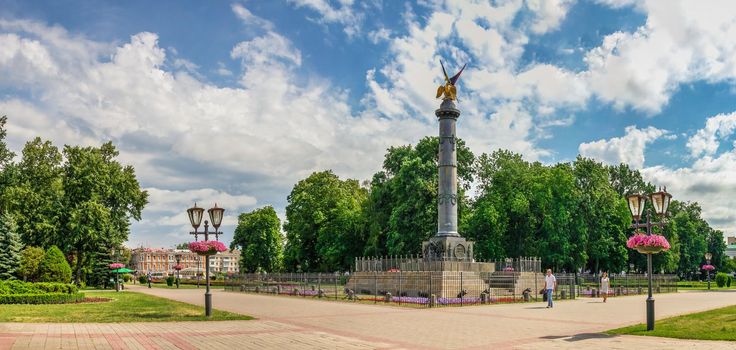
column 233, row 102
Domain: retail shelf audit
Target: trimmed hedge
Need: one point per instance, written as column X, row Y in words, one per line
column 20, row 287
column 721, row 279
column 45, row 298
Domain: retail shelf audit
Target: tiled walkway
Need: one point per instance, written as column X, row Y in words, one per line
column 298, row 323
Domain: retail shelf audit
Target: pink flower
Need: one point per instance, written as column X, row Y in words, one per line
column 508, row 268
column 178, row 267
column 207, row 247
column 654, row 240
column 115, row 266
column 709, row 267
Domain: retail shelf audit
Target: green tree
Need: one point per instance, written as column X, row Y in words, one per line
column 35, row 193
column 324, row 223
column 604, row 214
column 30, row 258
column 258, row 235
column 101, row 197
column 54, row 267
column 10, row 247
column 401, row 210
column 5, row 154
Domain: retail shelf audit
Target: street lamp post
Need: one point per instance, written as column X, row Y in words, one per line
column 708, row 256
column 195, row 218
column 178, row 267
column 661, row 202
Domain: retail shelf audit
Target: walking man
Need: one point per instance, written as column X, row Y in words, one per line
column 550, row 284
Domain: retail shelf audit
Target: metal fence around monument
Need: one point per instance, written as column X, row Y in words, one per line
column 413, row 289
column 589, row 285
column 419, row 263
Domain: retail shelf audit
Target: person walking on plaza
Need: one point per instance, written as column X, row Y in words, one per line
column 550, row 284
column 604, row 286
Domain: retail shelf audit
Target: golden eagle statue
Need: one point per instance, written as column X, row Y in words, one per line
column 448, row 90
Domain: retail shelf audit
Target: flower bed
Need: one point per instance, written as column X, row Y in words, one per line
column 207, row 247
column 648, row 244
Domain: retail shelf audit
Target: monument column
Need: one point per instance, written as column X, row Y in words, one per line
column 447, row 200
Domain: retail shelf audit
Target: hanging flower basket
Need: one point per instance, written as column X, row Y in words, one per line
column 709, row 267
column 207, row 247
column 651, row 244
column 178, row 267
column 115, row 266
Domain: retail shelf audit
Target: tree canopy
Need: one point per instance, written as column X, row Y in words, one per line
column 258, row 235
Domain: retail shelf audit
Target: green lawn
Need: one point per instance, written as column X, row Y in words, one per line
column 699, row 285
column 718, row 324
column 125, row 307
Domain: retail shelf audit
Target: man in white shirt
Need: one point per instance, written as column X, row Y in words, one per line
column 550, row 284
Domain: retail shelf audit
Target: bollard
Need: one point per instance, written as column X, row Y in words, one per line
column 659, row 290
column 563, row 294
column 278, row 289
column 638, row 290
column 432, row 300
column 593, row 293
column 387, row 297
column 484, row 298
column 258, row 289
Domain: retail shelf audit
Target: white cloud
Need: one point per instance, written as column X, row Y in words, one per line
column 345, row 14
column 265, row 49
column 548, row 13
column 681, row 42
column 707, row 140
column 249, row 19
column 627, row 149
column 379, row 35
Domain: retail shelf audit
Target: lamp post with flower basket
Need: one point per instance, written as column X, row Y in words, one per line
column 708, row 267
column 178, row 268
column 115, row 269
column 649, row 243
column 206, row 247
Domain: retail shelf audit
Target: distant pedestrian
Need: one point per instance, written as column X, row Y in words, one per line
column 604, row 286
column 550, row 284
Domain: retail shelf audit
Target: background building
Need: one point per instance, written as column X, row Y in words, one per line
column 160, row 262
column 731, row 247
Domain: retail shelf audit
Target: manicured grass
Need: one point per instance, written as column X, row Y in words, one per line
column 700, row 285
column 125, row 307
column 718, row 324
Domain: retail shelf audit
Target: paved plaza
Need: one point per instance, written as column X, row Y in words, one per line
column 298, row 323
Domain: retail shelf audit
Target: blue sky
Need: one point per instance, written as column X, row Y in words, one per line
column 235, row 101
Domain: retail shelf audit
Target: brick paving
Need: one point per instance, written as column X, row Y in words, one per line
column 307, row 323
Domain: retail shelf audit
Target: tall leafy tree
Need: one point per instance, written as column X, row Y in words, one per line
column 34, row 195
column 101, row 196
column 324, row 227
column 10, row 247
column 402, row 207
column 258, row 235
column 605, row 215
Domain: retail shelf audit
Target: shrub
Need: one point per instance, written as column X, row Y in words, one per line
column 43, row 298
column 142, row 279
column 728, row 281
column 54, row 268
column 721, row 278
column 170, row 281
column 127, row 277
column 30, row 258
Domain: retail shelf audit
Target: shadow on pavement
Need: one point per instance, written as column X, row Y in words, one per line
column 536, row 307
column 585, row 336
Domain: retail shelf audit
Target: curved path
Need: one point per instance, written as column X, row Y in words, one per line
column 299, row 323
